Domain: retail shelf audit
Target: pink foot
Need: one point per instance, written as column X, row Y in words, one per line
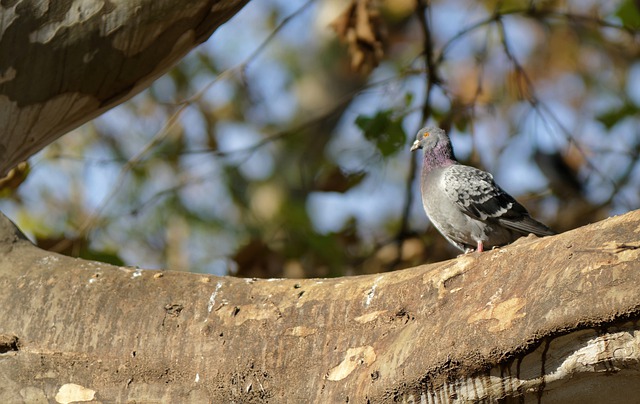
column 480, row 247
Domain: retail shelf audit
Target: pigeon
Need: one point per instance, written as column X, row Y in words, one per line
column 464, row 203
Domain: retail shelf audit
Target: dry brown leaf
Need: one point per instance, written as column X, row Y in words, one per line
column 361, row 27
column 14, row 178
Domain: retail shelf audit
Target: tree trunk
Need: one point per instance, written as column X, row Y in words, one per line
column 63, row 63
column 549, row 320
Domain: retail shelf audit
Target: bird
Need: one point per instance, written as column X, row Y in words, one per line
column 464, row 203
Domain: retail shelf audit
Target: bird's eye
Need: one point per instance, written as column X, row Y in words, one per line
column 426, row 134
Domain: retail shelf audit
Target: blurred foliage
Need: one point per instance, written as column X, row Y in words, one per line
column 611, row 117
column 385, row 132
column 280, row 147
column 629, row 13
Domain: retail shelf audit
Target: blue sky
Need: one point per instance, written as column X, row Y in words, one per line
column 379, row 198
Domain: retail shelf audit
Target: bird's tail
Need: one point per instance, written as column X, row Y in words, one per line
column 528, row 225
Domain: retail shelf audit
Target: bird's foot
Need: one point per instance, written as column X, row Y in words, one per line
column 469, row 250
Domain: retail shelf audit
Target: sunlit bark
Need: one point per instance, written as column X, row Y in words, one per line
column 553, row 318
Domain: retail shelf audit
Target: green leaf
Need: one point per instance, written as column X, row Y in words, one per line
column 615, row 115
column 384, row 131
column 629, row 14
column 408, row 99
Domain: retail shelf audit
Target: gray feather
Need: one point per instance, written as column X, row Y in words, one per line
column 477, row 195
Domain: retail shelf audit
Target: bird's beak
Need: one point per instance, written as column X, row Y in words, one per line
column 415, row 146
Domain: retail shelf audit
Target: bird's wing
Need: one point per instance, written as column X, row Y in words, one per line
column 477, row 195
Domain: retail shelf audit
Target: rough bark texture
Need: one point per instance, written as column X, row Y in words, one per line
column 550, row 320
column 65, row 62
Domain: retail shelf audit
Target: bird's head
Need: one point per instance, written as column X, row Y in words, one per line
column 427, row 138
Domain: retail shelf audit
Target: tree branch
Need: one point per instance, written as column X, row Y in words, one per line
column 432, row 79
column 61, row 69
column 529, row 317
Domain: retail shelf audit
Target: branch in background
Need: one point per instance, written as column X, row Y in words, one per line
column 432, row 79
column 92, row 219
column 527, row 91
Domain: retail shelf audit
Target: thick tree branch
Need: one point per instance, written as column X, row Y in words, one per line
column 540, row 318
column 64, row 63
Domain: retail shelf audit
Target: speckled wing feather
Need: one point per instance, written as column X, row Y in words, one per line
column 478, row 196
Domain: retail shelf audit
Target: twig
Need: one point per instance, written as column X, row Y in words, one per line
column 530, row 11
column 542, row 109
column 92, row 219
column 423, row 13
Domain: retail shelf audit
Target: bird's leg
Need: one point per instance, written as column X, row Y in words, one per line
column 480, row 247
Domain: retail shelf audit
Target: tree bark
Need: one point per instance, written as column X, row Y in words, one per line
column 63, row 63
column 549, row 320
